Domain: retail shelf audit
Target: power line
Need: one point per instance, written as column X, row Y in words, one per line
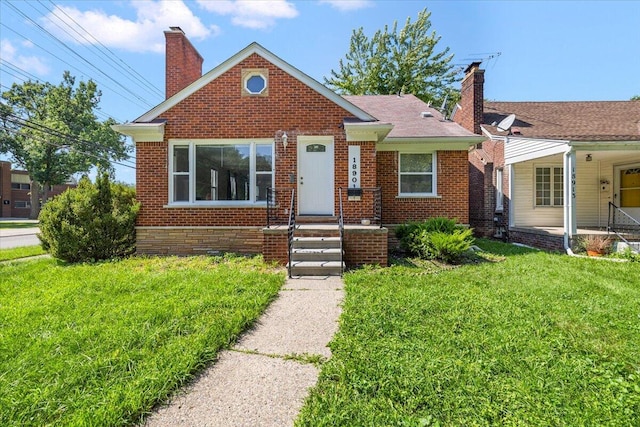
column 60, row 146
column 69, row 64
column 139, row 77
column 19, row 121
column 82, row 58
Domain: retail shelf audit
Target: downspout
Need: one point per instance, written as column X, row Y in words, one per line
column 569, row 173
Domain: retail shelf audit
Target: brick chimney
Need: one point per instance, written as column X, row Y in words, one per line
column 183, row 62
column 471, row 99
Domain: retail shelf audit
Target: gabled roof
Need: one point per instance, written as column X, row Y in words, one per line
column 253, row 48
column 570, row 121
column 406, row 114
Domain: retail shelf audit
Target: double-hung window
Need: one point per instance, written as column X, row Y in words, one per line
column 222, row 172
column 417, row 174
column 549, row 186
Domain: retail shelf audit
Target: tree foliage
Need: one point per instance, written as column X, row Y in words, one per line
column 90, row 223
column 397, row 61
column 635, row 98
column 52, row 132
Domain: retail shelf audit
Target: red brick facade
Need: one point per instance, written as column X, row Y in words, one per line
column 452, row 193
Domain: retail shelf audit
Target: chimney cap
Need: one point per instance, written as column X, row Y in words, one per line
column 176, row 30
column 472, row 66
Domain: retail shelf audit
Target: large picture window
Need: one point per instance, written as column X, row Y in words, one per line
column 234, row 172
column 549, row 186
column 417, row 176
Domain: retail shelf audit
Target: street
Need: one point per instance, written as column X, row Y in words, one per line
column 13, row 238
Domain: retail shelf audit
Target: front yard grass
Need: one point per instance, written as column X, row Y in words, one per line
column 21, row 252
column 521, row 337
column 100, row 344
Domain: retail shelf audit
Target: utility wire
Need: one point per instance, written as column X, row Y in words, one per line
column 19, row 121
column 44, row 30
column 71, row 65
column 140, row 78
column 60, row 146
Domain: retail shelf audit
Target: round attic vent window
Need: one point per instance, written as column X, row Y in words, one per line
column 255, row 84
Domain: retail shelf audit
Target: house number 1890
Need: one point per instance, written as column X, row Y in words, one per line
column 354, row 166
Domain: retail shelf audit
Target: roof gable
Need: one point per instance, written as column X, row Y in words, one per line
column 254, row 48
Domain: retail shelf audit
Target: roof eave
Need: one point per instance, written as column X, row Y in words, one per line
column 149, row 132
column 367, row 131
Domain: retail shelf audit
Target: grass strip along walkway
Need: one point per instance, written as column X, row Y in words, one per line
column 21, row 252
column 100, row 344
column 536, row 339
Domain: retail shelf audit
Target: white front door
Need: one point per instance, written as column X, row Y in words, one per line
column 315, row 175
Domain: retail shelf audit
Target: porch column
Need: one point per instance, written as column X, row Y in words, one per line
column 569, row 176
column 512, row 206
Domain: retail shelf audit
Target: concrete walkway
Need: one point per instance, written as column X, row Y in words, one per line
column 252, row 384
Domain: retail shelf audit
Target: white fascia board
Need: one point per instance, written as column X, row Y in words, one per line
column 606, row 145
column 367, row 131
column 148, row 132
column 429, row 144
column 235, row 60
column 533, row 149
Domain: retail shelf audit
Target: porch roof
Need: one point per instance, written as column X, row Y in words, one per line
column 586, row 121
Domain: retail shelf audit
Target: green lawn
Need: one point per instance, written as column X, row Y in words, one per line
column 537, row 339
column 21, row 252
column 17, row 224
column 101, row 344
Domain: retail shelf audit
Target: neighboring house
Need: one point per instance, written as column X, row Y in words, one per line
column 256, row 129
column 15, row 191
column 561, row 169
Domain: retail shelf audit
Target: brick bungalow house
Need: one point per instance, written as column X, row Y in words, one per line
column 560, row 170
column 231, row 156
column 15, row 191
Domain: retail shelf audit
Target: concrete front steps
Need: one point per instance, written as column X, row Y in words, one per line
column 316, row 251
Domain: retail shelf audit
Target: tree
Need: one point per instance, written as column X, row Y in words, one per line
column 395, row 61
column 635, row 98
column 52, row 132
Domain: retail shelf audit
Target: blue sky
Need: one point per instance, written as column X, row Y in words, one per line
column 531, row 50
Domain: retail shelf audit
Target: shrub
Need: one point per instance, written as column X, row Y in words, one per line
column 436, row 238
column 90, row 222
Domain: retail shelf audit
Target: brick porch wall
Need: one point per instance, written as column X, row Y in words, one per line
column 537, row 239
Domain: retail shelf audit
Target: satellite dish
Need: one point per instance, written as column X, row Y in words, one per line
column 506, row 123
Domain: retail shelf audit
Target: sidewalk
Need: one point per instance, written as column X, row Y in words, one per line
column 252, row 384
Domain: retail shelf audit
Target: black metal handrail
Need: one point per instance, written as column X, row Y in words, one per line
column 622, row 224
column 291, row 229
column 341, row 228
column 375, row 215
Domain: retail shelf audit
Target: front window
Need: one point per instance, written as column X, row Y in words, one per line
column 549, row 186
column 417, row 176
column 223, row 173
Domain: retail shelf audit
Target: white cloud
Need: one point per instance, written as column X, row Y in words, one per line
column 30, row 64
column 251, row 13
column 142, row 35
column 347, row 5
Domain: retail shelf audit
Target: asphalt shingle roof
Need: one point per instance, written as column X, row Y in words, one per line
column 405, row 113
column 574, row 121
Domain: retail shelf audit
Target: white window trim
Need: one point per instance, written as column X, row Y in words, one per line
column 192, row 143
column 434, row 176
column 254, row 74
column 552, row 205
